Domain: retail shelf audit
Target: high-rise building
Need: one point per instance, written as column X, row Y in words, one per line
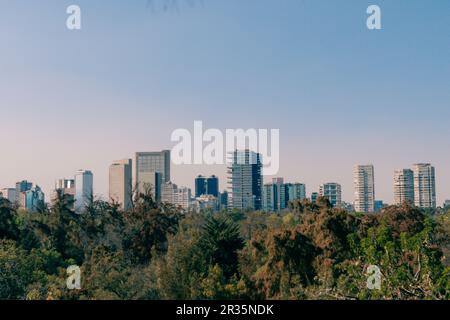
column 295, row 191
column 84, row 189
column 212, row 186
column 152, row 169
column 223, row 203
column 206, row 186
column 67, row 186
column 64, row 187
column 178, row 196
column 9, row 194
column 314, row 197
column 333, row 192
column 364, row 184
column 424, row 186
column 22, row 186
column 120, row 183
column 34, row 199
column 200, row 186
column 403, row 186
column 245, row 177
column 274, row 195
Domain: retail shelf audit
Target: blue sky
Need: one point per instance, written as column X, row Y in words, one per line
column 339, row 93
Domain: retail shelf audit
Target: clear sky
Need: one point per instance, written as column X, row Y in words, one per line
column 339, row 93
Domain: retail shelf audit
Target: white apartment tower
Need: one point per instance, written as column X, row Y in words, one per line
column 333, row 192
column 424, row 186
column 403, row 186
column 364, row 184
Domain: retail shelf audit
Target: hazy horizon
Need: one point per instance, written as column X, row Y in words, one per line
column 340, row 94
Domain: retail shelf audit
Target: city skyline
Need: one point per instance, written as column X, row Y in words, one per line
column 339, row 93
column 416, row 186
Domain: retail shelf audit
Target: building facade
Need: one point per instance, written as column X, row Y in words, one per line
column 84, row 189
column 295, row 191
column 333, row 192
column 424, row 186
column 34, row 199
column 206, row 186
column 120, row 183
column 274, row 195
column 152, row 170
column 245, row 177
column 364, row 184
column 403, row 186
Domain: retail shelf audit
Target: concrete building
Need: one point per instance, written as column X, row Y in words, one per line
column 364, row 184
column 295, row 191
column 424, row 186
column 245, row 178
column 152, row 170
column 274, row 195
column 120, row 183
column 178, row 196
column 403, row 186
column 84, row 189
column 67, row 186
column 9, row 194
column 205, row 202
column 333, row 192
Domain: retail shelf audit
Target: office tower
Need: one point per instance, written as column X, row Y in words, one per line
column 314, row 197
column 223, row 203
column 333, row 192
column 152, row 169
column 245, row 177
column 424, row 186
column 9, row 194
column 446, row 204
column 274, row 195
column 364, row 184
column 84, row 189
column 212, row 186
column 200, row 186
column 206, row 186
column 295, row 191
column 34, row 199
column 269, row 197
column 120, row 183
column 403, row 186
column 22, row 186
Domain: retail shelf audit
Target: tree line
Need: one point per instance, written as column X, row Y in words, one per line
column 157, row 251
